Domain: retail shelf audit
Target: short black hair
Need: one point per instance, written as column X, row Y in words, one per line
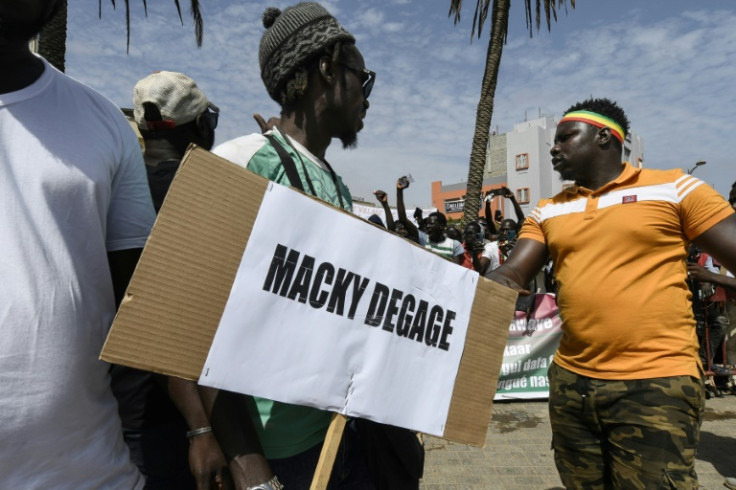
column 475, row 224
column 604, row 107
column 440, row 217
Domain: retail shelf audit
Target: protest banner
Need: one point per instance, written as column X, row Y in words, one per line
column 349, row 334
column 532, row 343
column 176, row 299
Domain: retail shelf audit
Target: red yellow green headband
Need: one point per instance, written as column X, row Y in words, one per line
column 596, row 120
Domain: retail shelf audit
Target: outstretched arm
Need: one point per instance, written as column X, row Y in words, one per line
column 489, row 214
column 517, row 208
column 527, row 260
column 412, row 230
column 480, row 263
column 702, row 274
column 719, row 242
column 418, row 216
column 383, row 199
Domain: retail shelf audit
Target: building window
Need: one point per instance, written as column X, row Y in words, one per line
column 522, row 195
column 522, row 161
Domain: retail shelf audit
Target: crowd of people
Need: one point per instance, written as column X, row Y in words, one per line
column 482, row 245
column 80, row 196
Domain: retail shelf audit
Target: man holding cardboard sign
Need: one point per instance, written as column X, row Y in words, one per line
column 311, row 67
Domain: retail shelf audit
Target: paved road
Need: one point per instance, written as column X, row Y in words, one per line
column 517, row 454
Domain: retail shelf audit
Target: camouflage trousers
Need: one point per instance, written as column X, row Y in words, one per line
column 633, row 434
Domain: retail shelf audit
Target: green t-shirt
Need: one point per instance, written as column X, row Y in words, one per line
column 267, row 163
column 283, row 429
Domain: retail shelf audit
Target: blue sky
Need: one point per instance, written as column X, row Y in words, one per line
column 670, row 64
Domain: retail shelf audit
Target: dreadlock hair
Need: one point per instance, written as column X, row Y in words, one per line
column 604, row 107
column 296, row 86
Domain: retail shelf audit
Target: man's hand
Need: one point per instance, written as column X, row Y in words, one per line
column 207, row 463
column 402, row 183
column 507, row 192
column 699, row 273
column 266, row 126
column 381, row 196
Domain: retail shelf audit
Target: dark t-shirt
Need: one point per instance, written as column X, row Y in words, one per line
column 159, row 180
column 142, row 400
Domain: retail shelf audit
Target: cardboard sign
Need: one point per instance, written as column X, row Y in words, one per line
column 344, row 319
column 179, row 291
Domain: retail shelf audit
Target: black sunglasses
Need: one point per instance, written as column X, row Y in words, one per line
column 369, row 77
column 211, row 117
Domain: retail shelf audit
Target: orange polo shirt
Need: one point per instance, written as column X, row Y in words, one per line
column 619, row 255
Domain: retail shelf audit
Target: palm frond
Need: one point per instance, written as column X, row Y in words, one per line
column 546, row 11
column 550, row 12
column 195, row 11
column 455, row 8
column 127, row 26
column 533, row 13
column 178, row 9
column 479, row 18
column 528, row 13
column 198, row 22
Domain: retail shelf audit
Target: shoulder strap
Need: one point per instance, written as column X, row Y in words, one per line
column 287, row 163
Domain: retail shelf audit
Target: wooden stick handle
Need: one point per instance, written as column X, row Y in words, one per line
column 329, row 453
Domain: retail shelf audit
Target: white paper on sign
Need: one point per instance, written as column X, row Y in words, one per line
column 331, row 312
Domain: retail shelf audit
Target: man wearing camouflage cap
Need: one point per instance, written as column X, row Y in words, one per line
column 312, row 68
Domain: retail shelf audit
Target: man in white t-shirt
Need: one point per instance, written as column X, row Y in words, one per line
column 436, row 240
column 75, row 211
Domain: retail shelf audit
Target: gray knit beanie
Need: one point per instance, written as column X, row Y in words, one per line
column 292, row 37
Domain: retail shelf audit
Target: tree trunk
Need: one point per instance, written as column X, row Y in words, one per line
column 499, row 29
column 52, row 42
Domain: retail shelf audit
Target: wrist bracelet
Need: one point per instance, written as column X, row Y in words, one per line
column 198, row 432
column 272, row 484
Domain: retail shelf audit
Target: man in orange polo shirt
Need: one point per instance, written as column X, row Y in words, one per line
column 626, row 390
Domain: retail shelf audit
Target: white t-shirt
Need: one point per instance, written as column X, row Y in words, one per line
column 72, row 187
column 492, row 253
column 447, row 248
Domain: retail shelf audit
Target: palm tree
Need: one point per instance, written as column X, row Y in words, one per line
column 499, row 31
column 52, row 41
